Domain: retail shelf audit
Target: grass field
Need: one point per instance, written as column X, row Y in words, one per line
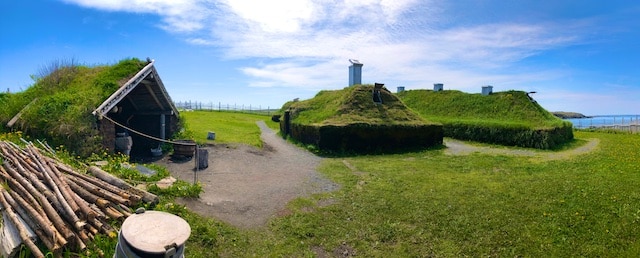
column 429, row 203
column 229, row 127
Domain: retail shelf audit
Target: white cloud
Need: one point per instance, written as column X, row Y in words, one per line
column 177, row 15
column 276, row 15
column 306, row 43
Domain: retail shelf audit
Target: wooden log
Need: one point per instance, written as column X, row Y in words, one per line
column 113, row 213
column 43, row 202
column 55, row 218
column 96, row 190
column 85, row 210
column 42, row 221
column 124, row 209
column 64, row 187
column 90, row 228
column 15, row 186
column 87, row 196
column 63, row 204
column 48, row 238
column 21, row 228
column 133, row 198
column 95, row 208
column 80, row 242
column 146, row 196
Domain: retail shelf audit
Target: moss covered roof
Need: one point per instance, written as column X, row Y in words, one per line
column 352, row 105
column 499, row 107
column 63, row 100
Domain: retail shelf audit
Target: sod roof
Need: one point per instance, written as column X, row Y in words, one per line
column 352, row 105
column 63, row 99
column 509, row 107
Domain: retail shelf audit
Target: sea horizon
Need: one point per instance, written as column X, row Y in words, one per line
column 605, row 120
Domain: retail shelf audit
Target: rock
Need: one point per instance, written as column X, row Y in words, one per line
column 101, row 163
column 166, row 182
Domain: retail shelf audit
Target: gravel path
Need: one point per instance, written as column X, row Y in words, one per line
column 246, row 186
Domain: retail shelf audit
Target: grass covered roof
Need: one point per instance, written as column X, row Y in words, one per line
column 509, row 107
column 352, row 105
column 62, row 100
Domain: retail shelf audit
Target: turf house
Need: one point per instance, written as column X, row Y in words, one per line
column 91, row 109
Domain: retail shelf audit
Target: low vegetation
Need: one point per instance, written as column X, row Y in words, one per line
column 510, row 118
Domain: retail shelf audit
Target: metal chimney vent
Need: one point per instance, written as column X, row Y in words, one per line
column 355, row 72
column 487, row 90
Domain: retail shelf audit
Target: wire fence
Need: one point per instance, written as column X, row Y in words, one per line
column 211, row 106
column 628, row 123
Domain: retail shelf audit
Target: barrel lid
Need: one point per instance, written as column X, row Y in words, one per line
column 151, row 231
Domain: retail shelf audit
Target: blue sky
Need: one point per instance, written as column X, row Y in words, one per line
column 581, row 56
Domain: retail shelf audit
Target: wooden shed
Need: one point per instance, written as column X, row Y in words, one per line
column 140, row 108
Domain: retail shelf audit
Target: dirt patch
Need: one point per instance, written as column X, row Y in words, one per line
column 246, row 186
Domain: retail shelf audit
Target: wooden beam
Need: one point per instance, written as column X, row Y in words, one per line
column 153, row 95
column 133, row 103
column 17, row 116
column 123, row 91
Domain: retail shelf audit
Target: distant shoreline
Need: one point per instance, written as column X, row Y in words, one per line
column 569, row 115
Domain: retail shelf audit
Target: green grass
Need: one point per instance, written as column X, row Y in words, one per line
column 431, row 204
column 229, row 127
column 509, row 107
column 428, row 203
column 352, row 105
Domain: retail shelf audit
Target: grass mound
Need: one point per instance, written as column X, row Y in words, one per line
column 508, row 118
column 60, row 103
column 349, row 120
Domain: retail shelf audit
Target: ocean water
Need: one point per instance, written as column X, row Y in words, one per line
column 605, row 121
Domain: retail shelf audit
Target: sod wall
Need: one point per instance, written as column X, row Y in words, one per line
column 510, row 135
column 368, row 138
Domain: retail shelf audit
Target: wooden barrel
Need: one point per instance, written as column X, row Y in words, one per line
column 184, row 148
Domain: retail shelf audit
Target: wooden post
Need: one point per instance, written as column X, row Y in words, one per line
column 287, row 123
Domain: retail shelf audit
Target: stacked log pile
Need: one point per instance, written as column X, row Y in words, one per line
column 63, row 207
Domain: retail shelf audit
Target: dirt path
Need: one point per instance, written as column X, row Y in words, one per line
column 246, row 186
column 455, row 147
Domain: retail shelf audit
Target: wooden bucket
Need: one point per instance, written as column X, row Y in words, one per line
column 183, row 150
